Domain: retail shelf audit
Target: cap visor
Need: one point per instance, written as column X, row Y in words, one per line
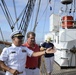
column 19, row 35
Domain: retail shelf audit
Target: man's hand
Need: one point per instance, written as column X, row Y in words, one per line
column 13, row 71
column 50, row 50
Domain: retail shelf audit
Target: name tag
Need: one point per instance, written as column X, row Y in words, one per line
column 23, row 50
column 13, row 52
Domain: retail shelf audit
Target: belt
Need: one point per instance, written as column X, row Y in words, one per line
column 31, row 68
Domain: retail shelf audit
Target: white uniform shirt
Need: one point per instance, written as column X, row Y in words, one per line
column 16, row 57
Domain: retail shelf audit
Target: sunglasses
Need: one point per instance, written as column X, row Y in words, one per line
column 19, row 37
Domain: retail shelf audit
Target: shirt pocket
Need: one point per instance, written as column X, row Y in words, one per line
column 13, row 55
column 23, row 55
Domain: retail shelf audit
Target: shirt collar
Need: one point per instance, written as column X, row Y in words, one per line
column 13, row 45
column 29, row 45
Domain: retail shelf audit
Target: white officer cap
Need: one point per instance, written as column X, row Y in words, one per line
column 16, row 33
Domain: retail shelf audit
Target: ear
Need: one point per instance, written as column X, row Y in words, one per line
column 13, row 38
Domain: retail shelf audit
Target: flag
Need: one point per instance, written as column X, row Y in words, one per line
column 49, row 1
column 50, row 8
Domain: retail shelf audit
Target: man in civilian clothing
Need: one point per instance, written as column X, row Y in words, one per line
column 32, row 62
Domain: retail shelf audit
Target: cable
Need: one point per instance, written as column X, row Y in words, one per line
column 15, row 11
column 31, row 21
column 45, row 21
column 20, row 15
column 54, row 6
column 35, row 25
column 44, row 12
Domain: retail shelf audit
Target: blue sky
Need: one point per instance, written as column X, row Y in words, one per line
column 43, row 19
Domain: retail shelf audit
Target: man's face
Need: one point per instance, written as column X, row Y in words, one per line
column 18, row 40
column 31, row 39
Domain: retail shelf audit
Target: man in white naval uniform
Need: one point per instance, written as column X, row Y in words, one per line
column 15, row 55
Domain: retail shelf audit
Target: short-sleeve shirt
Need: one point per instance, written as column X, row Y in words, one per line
column 47, row 45
column 15, row 57
column 32, row 61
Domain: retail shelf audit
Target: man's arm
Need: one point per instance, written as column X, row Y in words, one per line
column 6, row 68
column 3, row 66
column 48, row 50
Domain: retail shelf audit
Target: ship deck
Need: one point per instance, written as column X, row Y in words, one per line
column 57, row 70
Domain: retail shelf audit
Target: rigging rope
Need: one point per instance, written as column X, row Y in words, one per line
column 31, row 21
column 7, row 14
column 2, row 36
column 15, row 12
column 54, row 6
column 35, row 25
column 44, row 21
column 20, row 15
column 43, row 12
